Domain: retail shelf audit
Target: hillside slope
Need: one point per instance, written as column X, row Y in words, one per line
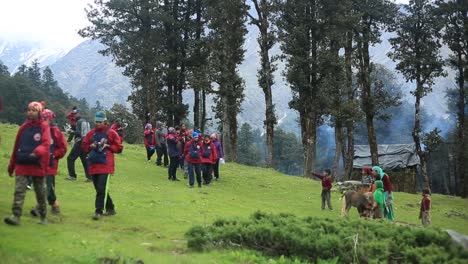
column 153, row 213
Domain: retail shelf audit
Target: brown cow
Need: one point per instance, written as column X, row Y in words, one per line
column 364, row 203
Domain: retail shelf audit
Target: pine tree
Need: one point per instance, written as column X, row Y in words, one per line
column 416, row 49
column 301, row 32
column 375, row 15
column 265, row 11
column 227, row 25
column 454, row 16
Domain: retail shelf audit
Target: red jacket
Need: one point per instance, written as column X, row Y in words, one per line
column 42, row 150
column 115, row 146
column 188, row 157
column 387, row 185
column 72, row 118
column 119, row 129
column 60, row 149
column 326, row 182
column 425, row 204
column 149, row 138
column 213, row 155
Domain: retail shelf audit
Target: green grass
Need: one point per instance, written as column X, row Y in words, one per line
column 153, row 213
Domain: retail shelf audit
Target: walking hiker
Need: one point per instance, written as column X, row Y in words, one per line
column 71, row 116
column 58, row 149
column 101, row 143
column 149, row 141
column 192, row 157
column 30, row 157
column 378, row 173
column 425, row 210
column 82, row 128
column 174, row 153
column 220, row 152
column 209, row 156
column 161, row 147
column 119, row 128
column 326, row 187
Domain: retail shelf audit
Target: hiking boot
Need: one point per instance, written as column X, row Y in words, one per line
column 29, row 187
column 55, row 209
column 97, row 216
column 70, row 178
column 43, row 221
column 12, row 220
column 34, row 212
column 199, row 185
column 110, row 212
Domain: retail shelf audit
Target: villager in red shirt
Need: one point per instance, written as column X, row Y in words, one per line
column 326, row 187
column 30, row 158
column 425, row 211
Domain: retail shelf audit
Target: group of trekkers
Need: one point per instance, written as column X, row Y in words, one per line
column 40, row 144
column 38, row 147
column 375, row 196
column 198, row 154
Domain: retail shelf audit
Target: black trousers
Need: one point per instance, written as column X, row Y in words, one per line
column 216, row 169
column 50, row 186
column 161, row 151
column 172, row 170
column 101, row 185
column 75, row 153
column 149, row 153
column 206, row 172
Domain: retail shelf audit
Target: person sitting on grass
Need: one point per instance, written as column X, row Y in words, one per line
column 326, row 187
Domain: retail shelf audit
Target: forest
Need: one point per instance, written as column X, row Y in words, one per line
column 166, row 47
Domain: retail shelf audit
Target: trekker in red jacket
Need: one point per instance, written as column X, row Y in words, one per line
column 30, row 158
column 58, row 149
column 192, row 155
column 149, row 141
column 101, row 143
column 209, row 157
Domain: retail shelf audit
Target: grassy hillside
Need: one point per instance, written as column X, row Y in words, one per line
column 153, row 213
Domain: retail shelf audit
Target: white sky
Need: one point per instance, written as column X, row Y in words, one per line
column 54, row 23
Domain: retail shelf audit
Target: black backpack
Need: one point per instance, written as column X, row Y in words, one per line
column 194, row 151
column 207, row 150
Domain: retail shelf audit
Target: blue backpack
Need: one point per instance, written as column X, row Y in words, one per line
column 98, row 155
column 194, row 151
column 31, row 137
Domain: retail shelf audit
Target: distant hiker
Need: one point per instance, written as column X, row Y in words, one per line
column 30, row 157
column 220, row 152
column 388, row 194
column 367, row 180
column 71, row 116
column 82, row 128
column 184, row 164
column 101, row 143
column 209, row 156
column 58, row 149
column 326, row 187
column 192, row 154
column 161, row 147
column 174, row 153
column 379, row 201
column 149, row 141
column 119, row 128
column 425, row 210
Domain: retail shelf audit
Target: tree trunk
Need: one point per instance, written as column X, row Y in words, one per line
column 196, row 108
column 309, row 141
column 339, row 138
column 416, row 135
column 203, row 111
column 349, row 155
column 365, row 70
column 462, row 159
column 229, row 131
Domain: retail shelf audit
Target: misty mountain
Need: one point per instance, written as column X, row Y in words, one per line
column 15, row 53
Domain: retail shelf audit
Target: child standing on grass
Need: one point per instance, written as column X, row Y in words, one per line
column 101, row 143
column 326, row 187
column 425, row 211
column 58, row 149
column 30, row 157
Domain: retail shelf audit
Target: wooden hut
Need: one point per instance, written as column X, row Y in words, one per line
column 399, row 161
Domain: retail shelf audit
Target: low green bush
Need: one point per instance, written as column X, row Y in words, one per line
column 326, row 240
